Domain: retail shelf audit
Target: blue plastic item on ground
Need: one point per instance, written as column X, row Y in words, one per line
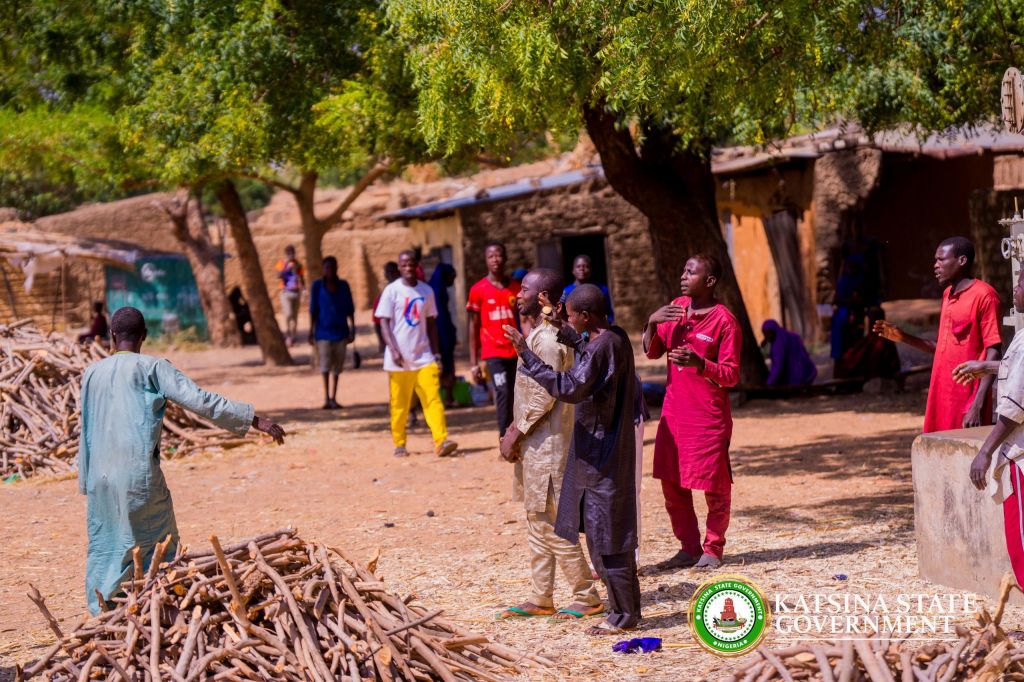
column 637, row 645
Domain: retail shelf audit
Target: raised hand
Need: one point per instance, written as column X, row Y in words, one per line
column 668, row 313
column 516, row 337
column 887, row 330
column 552, row 312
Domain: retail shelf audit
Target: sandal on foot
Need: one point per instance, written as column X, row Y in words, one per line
column 514, row 612
column 577, row 614
column 708, row 562
column 400, row 451
column 606, row 628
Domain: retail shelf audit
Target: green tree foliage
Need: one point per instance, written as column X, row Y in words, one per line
column 262, row 87
column 62, row 72
column 658, row 84
column 933, row 64
column 52, row 160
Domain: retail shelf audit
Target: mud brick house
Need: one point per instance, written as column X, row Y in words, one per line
column 785, row 211
column 361, row 242
column 544, row 222
column 52, row 278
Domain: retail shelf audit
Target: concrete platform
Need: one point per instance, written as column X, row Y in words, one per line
column 960, row 541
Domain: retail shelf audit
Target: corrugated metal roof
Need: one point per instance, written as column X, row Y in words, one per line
column 436, row 209
column 730, row 160
column 944, row 145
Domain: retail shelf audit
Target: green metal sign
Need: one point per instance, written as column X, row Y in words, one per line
column 163, row 288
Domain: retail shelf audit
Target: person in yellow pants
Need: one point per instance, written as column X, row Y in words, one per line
column 426, row 382
column 408, row 314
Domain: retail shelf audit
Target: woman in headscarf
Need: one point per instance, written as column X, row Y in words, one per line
column 442, row 278
column 791, row 363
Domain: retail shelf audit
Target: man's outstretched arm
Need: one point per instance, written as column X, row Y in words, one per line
column 973, row 416
column 573, row 386
column 227, row 414
column 887, row 330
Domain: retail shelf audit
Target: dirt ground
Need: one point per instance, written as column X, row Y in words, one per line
column 822, row 487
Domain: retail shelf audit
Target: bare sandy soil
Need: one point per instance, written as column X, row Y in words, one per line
column 822, row 487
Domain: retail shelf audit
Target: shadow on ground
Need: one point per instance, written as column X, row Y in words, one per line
column 816, row 551
column 886, row 453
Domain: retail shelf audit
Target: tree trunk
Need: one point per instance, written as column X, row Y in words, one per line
column 312, row 233
column 675, row 189
column 314, row 228
column 254, row 287
column 190, row 229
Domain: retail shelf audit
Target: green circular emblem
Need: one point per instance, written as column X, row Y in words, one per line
column 729, row 615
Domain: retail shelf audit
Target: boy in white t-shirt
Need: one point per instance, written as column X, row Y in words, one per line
column 408, row 313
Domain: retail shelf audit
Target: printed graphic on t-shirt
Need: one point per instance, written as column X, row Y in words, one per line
column 413, row 310
column 500, row 313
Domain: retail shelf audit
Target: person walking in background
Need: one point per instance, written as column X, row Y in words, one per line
column 490, row 307
column 968, row 330
column 791, row 363
column 583, row 271
column 442, row 278
column 332, row 325
column 293, row 281
column 123, row 401
column 538, row 442
column 691, row 450
column 408, row 315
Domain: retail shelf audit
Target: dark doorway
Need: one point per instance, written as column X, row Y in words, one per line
column 590, row 245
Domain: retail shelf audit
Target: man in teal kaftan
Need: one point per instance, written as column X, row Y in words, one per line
column 123, row 402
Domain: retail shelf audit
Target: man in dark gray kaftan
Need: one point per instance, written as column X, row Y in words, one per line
column 599, row 488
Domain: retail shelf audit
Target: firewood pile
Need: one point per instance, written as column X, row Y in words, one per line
column 40, row 405
column 983, row 652
column 274, row 607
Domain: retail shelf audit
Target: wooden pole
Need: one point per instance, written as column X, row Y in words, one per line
column 63, row 297
column 10, row 291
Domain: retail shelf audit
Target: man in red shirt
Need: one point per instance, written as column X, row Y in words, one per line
column 968, row 330
column 491, row 306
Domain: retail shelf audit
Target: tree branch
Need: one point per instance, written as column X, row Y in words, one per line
column 368, row 178
column 273, row 182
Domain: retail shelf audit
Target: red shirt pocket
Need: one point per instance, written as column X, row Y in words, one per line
column 961, row 330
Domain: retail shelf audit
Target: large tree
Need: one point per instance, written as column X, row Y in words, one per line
column 281, row 92
column 65, row 71
column 657, row 84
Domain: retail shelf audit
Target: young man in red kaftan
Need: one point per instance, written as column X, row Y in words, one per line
column 968, row 330
column 691, row 450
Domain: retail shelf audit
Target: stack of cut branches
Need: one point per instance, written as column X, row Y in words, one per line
column 40, row 405
column 983, row 652
column 273, row 607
